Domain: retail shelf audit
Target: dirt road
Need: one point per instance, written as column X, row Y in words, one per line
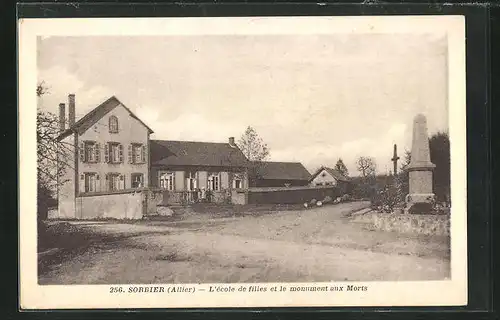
column 310, row 245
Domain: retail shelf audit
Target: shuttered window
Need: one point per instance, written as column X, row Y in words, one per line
column 137, row 153
column 167, row 180
column 191, row 180
column 89, row 151
column 214, row 181
column 91, row 181
column 115, row 181
column 113, row 152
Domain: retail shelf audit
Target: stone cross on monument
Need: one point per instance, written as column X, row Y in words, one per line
column 420, row 167
column 395, row 159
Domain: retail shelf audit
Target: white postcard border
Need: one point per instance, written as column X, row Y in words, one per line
column 409, row 293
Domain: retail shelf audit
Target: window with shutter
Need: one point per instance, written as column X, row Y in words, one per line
column 97, row 153
column 167, row 180
column 81, row 184
column 120, row 148
column 90, row 152
column 82, row 151
column 143, row 154
column 113, row 181
column 137, row 150
column 214, row 181
column 122, row 182
column 191, row 183
column 106, row 153
column 114, row 152
column 90, row 182
column 130, row 156
column 97, row 183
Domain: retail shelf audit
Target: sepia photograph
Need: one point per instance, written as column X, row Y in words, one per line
column 319, row 159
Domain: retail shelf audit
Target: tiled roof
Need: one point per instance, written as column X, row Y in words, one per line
column 335, row 173
column 193, row 153
column 281, row 171
column 95, row 115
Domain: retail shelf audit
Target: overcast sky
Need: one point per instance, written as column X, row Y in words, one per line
column 312, row 99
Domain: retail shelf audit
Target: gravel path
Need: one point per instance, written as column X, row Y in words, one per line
column 310, row 245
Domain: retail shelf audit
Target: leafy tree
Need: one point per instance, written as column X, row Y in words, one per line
column 341, row 167
column 403, row 186
column 439, row 145
column 406, row 161
column 256, row 151
column 252, row 146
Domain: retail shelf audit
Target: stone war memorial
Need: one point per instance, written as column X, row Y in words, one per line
column 420, row 196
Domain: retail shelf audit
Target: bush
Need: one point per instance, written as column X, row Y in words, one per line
column 313, row 201
column 327, row 199
column 346, row 197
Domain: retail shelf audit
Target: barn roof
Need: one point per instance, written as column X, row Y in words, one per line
column 194, row 153
column 269, row 170
column 95, row 115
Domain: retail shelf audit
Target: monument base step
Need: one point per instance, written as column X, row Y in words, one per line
column 420, row 198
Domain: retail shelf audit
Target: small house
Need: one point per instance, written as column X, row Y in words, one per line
column 325, row 176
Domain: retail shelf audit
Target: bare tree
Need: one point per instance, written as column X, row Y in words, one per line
column 252, row 146
column 366, row 166
column 53, row 155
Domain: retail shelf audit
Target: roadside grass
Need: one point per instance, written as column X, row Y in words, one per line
column 59, row 242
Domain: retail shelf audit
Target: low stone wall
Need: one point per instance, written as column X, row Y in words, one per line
column 126, row 205
column 407, row 223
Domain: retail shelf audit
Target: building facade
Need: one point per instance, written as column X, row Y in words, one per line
column 191, row 171
column 107, row 153
column 325, row 176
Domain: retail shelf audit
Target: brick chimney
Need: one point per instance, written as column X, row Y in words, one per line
column 71, row 110
column 62, row 117
column 231, row 142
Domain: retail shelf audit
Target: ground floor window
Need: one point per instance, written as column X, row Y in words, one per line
column 137, row 180
column 167, row 180
column 191, row 181
column 115, row 181
column 91, row 180
column 214, row 182
column 237, row 181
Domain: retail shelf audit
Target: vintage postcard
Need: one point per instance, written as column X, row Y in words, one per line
column 242, row 162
